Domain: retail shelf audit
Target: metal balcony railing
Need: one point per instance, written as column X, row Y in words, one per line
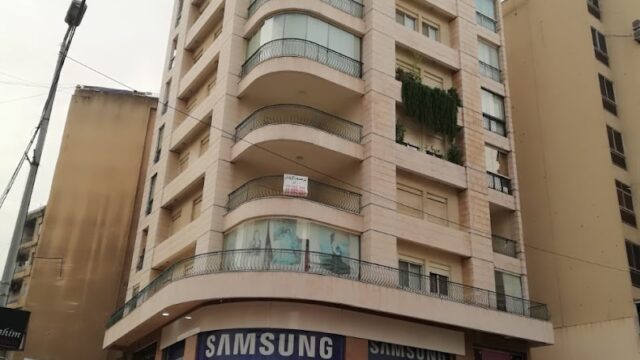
column 350, row 7
column 299, row 115
column 307, row 262
column 504, row 246
column 272, row 186
column 301, row 48
column 499, row 182
column 486, row 22
column 490, row 71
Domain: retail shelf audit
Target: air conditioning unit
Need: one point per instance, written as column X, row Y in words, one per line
column 636, row 30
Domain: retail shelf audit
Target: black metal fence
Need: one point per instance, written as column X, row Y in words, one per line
column 504, row 246
column 499, row 182
column 303, row 49
column 272, row 186
column 299, row 115
column 281, row 260
column 349, row 6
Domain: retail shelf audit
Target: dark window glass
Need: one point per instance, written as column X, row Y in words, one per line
column 616, row 147
column 625, row 201
column 174, row 352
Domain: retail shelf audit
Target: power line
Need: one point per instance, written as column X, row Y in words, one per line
column 470, row 230
column 22, row 98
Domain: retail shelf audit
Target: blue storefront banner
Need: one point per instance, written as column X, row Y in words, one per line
column 384, row 351
column 269, row 344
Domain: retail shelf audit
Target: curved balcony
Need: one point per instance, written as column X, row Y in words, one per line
column 300, row 48
column 348, row 6
column 299, row 261
column 272, row 186
column 287, row 114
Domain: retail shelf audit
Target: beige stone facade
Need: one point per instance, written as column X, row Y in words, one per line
column 80, row 243
column 575, row 82
column 392, row 242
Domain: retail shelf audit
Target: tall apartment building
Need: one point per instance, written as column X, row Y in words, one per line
column 575, row 82
column 294, row 206
column 25, row 259
column 80, row 247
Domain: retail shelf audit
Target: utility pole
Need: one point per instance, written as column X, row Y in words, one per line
column 73, row 19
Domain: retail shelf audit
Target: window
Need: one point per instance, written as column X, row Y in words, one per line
column 486, row 14
column 625, row 201
column 156, row 157
column 174, row 352
column 204, row 144
column 152, row 189
column 183, row 162
column 165, row 98
column 306, row 28
column 406, row 20
column 509, row 292
column 594, row 7
column 142, row 249
column 616, row 147
column 431, row 31
column 439, row 279
column 600, row 46
column 174, row 52
column 633, row 257
column 486, row 354
column 489, row 57
column 135, row 290
column 437, row 209
column 496, row 161
column 410, row 275
column 409, row 201
column 608, row 96
column 179, row 11
column 176, row 223
column 493, row 113
column 148, row 353
column 196, row 207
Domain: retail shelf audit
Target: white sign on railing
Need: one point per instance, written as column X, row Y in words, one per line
column 294, row 185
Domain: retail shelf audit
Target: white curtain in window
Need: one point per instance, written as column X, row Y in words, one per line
column 487, row 7
column 488, row 54
column 492, row 104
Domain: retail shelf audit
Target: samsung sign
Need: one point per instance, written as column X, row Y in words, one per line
column 383, row 351
column 13, row 328
column 269, row 344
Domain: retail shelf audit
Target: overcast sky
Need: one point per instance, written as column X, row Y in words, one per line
column 125, row 39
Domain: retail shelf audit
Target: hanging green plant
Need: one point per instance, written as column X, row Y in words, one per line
column 454, row 154
column 435, row 108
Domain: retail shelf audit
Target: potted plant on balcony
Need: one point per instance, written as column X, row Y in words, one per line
column 437, row 109
column 400, row 131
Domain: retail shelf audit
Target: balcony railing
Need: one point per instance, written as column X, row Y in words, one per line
column 299, row 115
column 635, row 277
column 499, row 182
column 307, row 262
column 486, row 22
column 494, row 124
column 303, row 49
column 272, row 186
column 351, row 7
column 490, row 71
column 504, row 246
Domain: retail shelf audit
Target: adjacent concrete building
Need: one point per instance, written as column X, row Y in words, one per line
column 27, row 254
column 75, row 269
column 380, row 235
column 575, row 84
